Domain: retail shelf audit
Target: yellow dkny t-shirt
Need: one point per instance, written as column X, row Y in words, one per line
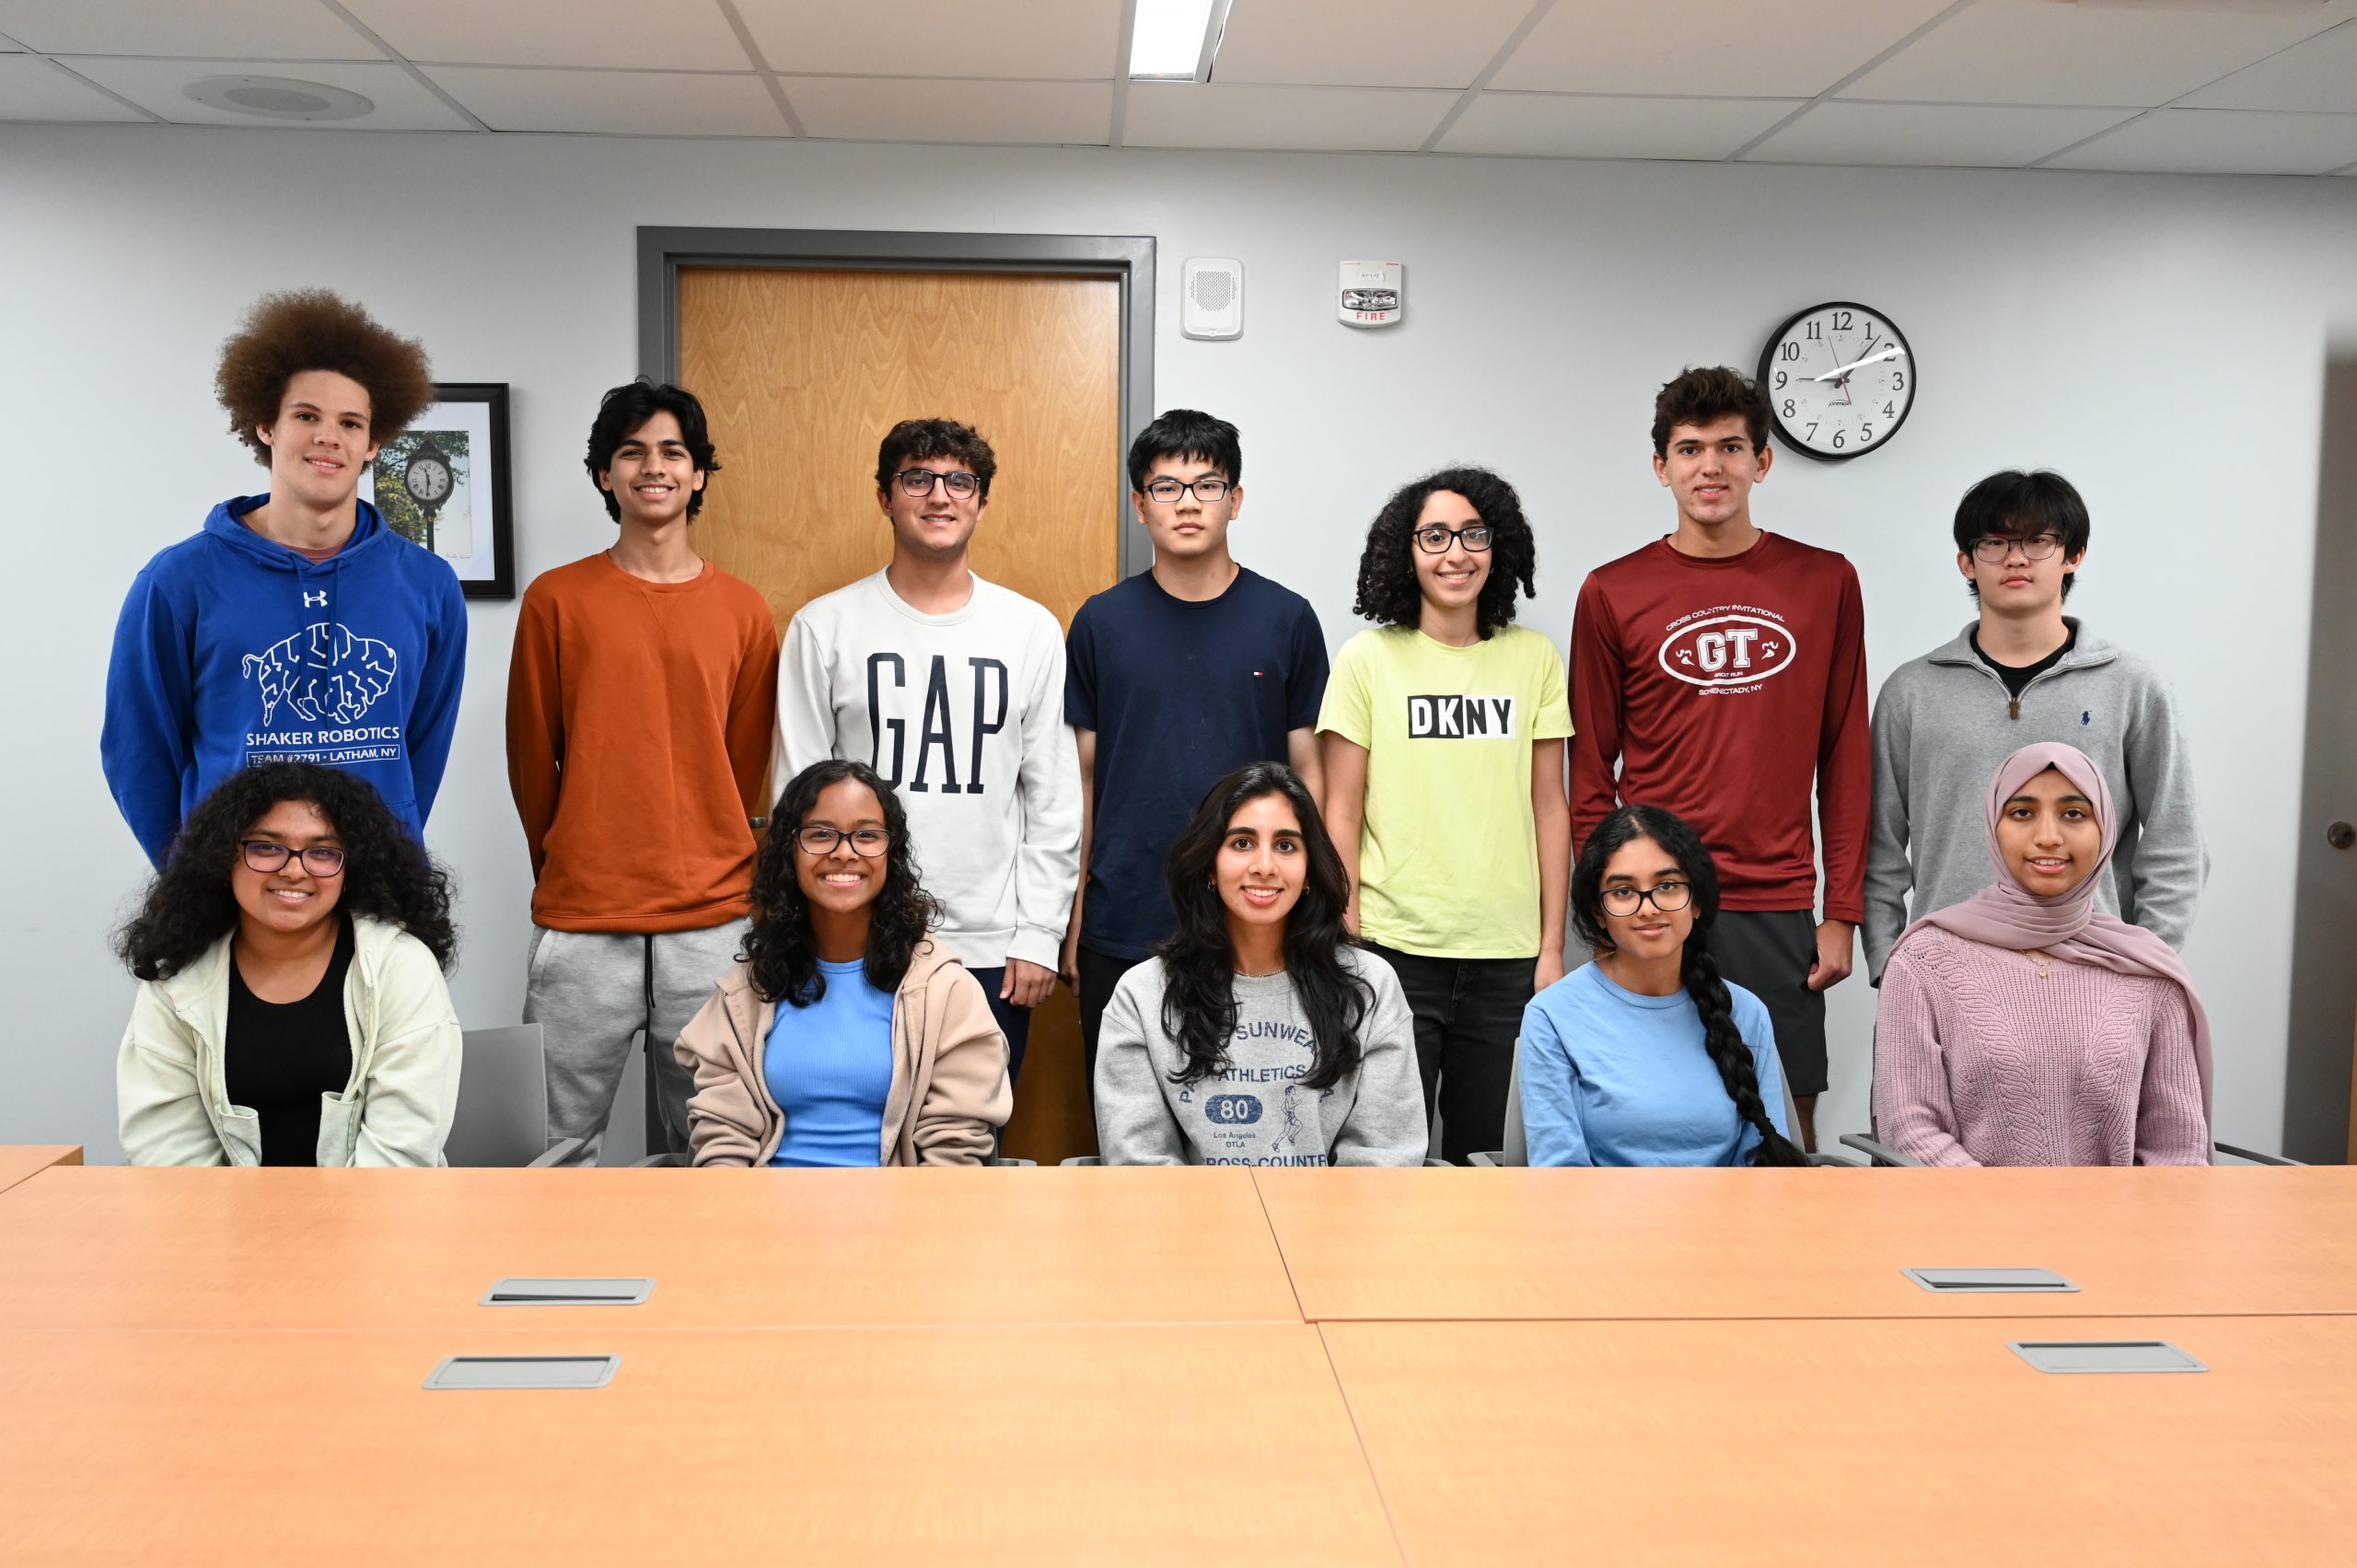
column 1448, row 862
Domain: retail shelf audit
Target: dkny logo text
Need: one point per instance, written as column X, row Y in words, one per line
column 1460, row 718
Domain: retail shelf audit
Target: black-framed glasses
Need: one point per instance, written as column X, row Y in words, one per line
column 1433, row 538
column 866, row 843
column 1666, row 896
column 920, row 482
column 1208, row 490
column 319, row 860
column 1994, row 547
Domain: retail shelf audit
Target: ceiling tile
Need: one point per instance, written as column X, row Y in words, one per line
column 1370, row 44
column 873, row 110
column 627, row 103
column 220, row 29
column 2058, row 52
column 2319, row 74
column 1281, row 119
column 692, row 35
column 401, row 103
column 35, row 89
column 1071, row 39
column 1543, row 125
column 1931, row 134
column 1713, row 48
column 2222, row 141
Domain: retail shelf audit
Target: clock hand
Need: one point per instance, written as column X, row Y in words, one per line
column 1842, row 371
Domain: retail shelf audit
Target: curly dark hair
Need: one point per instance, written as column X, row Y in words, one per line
column 1705, row 397
column 626, row 408
column 780, row 948
column 915, row 440
column 387, row 875
column 1388, row 590
column 1698, row 968
column 1198, row 959
column 286, row 334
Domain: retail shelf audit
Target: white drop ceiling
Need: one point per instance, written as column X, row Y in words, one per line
column 2213, row 86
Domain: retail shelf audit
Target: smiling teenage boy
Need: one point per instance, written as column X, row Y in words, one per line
column 1723, row 669
column 295, row 626
column 1178, row 677
column 2023, row 673
column 639, row 706
column 951, row 688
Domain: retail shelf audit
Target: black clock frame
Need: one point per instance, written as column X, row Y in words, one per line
column 1767, row 355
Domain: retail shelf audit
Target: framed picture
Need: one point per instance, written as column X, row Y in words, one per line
column 443, row 483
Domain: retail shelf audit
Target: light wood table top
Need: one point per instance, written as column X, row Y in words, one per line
column 1819, row 1243
column 1101, row 1445
column 1889, row 1441
column 110, row 1247
column 19, row 1161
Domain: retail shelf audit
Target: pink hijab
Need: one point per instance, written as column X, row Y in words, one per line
column 2006, row 915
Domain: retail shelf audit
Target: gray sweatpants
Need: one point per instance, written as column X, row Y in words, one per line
column 591, row 992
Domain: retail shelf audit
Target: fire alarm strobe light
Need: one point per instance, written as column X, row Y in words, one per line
column 1370, row 293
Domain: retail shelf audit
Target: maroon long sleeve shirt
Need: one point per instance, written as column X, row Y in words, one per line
column 1730, row 691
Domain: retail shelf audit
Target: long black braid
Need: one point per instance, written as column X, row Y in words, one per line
column 1698, row 968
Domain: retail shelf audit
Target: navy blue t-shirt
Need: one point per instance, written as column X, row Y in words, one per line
column 1180, row 694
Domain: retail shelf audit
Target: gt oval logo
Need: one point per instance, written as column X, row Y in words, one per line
column 1728, row 650
column 1232, row 1110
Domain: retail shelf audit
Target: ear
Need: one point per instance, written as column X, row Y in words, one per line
column 1235, row 503
column 606, row 479
column 700, row 477
column 1964, row 565
column 1767, row 460
column 1661, row 469
column 884, row 502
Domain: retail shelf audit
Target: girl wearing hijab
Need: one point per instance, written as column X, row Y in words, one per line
column 2022, row 1027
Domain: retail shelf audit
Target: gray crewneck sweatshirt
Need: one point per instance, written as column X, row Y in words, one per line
column 1254, row 1111
column 1945, row 722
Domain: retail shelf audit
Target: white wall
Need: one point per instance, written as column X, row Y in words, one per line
column 2161, row 339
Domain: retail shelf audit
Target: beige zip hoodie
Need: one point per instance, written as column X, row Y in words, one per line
column 171, row 1089
column 949, row 1089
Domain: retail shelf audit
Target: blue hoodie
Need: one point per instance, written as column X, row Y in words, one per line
column 234, row 649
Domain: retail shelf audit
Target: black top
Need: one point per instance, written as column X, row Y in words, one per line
column 2016, row 676
column 280, row 1057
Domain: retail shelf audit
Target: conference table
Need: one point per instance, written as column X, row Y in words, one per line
column 1107, row 1365
column 19, row 1161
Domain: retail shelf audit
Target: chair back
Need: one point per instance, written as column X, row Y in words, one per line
column 1517, row 1141
column 502, row 1116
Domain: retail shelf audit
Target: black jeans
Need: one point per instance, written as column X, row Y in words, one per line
column 1468, row 1015
column 1099, row 973
column 1013, row 1022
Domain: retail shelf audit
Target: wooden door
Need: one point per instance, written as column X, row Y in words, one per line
column 802, row 372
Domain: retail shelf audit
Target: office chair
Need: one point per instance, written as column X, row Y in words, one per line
column 501, row 1118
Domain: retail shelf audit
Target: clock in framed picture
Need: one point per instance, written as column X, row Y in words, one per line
column 443, row 484
column 1840, row 379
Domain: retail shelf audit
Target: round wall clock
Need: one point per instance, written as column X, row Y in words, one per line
column 428, row 476
column 1838, row 379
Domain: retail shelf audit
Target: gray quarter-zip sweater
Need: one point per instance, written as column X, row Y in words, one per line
column 1945, row 722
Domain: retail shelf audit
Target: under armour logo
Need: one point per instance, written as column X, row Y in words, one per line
column 311, row 599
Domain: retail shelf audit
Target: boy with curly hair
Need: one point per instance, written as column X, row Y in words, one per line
column 295, row 626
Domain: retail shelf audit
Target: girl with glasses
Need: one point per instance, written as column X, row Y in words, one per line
column 2022, row 1027
column 846, row 1033
column 291, row 1009
column 1258, row 1035
column 1648, row 1057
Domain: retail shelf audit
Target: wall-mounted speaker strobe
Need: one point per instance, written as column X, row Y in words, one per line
column 1211, row 297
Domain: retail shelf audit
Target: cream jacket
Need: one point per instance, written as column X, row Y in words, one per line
column 949, row 1089
column 170, row 1088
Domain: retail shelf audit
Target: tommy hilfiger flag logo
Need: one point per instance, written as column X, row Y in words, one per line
column 1460, row 718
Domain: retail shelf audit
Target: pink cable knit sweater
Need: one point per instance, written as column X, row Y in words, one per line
column 1980, row 1062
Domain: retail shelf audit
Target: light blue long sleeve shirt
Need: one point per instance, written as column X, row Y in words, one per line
column 829, row 1067
column 1611, row 1078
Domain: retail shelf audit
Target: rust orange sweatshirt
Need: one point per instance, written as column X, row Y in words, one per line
column 639, row 717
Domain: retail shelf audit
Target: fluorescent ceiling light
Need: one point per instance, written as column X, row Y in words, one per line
column 1175, row 41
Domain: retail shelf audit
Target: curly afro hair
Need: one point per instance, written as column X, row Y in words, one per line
column 387, row 873
column 286, row 334
column 1388, row 590
column 781, row 949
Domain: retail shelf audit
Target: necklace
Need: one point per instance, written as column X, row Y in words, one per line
column 2035, row 957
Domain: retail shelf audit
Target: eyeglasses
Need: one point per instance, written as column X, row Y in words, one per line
column 319, row 860
column 1168, row 490
column 1666, row 896
column 920, row 482
column 1993, row 548
column 1433, row 539
column 866, row 843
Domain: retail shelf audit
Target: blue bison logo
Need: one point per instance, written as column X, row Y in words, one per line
column 323, row 672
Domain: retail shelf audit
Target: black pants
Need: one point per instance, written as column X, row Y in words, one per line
column 1768, row 952
column 1099, row 973
column 1468, row 1015
column 1013, row 1022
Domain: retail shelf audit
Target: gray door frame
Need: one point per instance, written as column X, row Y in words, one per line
column 1126, row 259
